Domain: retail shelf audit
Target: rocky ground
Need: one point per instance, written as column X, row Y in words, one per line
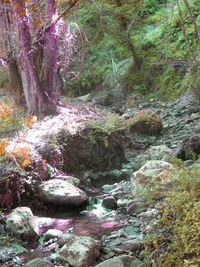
column 92, row 215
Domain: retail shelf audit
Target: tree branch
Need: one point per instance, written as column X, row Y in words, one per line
column 61, row 15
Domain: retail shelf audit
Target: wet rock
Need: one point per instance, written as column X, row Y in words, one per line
column 136, row 208
column 120, row 261
column 22, row 224
column 39, row 262
column 80, row 252
column 52, row 233
column 161, row 152
column 109, row 202
column 146, row 122
column 60, row 192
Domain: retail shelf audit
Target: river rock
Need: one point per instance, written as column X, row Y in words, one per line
column 151, row 169
column 52, row 233
column 132, row 245
column 39, row 262
column 22, row 224
column 109, row 202
column 161, row 152
column 60, row 192
column 146, row 122
column 80, row 252
column 120, row 261
column 136, row 208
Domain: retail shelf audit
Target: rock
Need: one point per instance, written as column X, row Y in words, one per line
column 70, row 179
column 98, row 146
column 22, row 224
column 149, row 214
column 109, row 202
column 107, row 187
column 146, row 122
column 120, row 261
column 80, row 252
column 64, row 238
column 8, row 251
column 151, row 169
column 60, row 192
column 136, row 208
column 121, row 203
column 161, row 152
column 52, row 233
column 189, row 148
column 132, row 245
column 39, row 262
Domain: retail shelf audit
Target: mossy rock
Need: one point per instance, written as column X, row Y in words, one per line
column 92, row 148
column 145, row 122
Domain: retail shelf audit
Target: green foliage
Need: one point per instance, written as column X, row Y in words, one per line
column 178, row 238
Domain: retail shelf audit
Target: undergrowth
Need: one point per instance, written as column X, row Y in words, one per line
column 177, row 239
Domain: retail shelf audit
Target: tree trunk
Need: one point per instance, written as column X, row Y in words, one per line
column 50, row 53
column 15, row 82
column 35, row 99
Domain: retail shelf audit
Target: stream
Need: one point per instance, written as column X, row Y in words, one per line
column 110, row 227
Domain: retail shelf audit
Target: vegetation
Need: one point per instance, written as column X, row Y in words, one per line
column 176, row 242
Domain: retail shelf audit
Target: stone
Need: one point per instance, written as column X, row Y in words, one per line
column 70, row 179
column 161, row 152
column 52, row 233
column 136, row 208
column 107, row 187
column 145, row 122
column 64, row 238
column 23, row 224
column 39, row 262
column 189, row 148
column 60, row 192
column 152, row 168
column 109, row 202
column 121, row 203
column 120, row 261
column 132, row 245
column 80, row 251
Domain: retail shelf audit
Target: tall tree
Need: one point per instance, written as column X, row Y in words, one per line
column 33, row 49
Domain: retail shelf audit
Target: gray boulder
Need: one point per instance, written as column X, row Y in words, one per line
column 60, row 192
column 22, row 224
column 80, row 251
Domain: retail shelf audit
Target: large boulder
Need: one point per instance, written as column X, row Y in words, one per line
column 161, row 152
column 98, row 146
column 151, row 169
column 145, row 122
column 22, row 224
column 60, row 192
column 80, row 251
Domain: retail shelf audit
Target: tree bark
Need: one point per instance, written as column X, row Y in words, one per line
column 15, row 82
column 32, row 89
